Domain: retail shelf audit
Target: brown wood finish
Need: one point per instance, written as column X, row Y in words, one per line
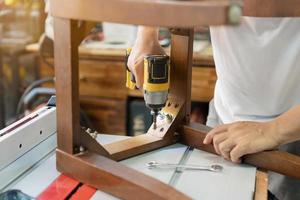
column 178, row 107
column 181, row 67
column 102, row 172
column 200, row 58
column 103, row 80
column 107, row 115
column 114, row 178
column 91, row 144
column 163, row 135
column 191, row 14
column 135, row 146
column 178, row 104
column 175, row 13
column 271, row 8
column 97, row 77
column 194, row 134
column 261, row 185
column 101, row 74
column 203, row 83
column 66, row 71
column 277, row 161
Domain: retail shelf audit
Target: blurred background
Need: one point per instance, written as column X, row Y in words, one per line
column 27, row 71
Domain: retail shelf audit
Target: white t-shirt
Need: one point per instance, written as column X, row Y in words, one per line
column 258, row 68
column 49, row 22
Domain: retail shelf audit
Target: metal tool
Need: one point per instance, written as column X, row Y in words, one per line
column 156, row 165
column 156, row 82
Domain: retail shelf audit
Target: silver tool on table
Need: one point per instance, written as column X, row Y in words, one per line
column 157, row 165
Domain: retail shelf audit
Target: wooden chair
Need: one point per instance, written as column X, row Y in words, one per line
column 81, row 156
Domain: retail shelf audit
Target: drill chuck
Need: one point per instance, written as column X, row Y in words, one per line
column 155, row 100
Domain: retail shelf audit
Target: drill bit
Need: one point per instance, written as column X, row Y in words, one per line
column 154, row 116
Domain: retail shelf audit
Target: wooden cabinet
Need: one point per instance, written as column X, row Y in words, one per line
column 102, row 79
column 203, row 83
column 102, row 93
column 102, row 85
column 108, row 115
column 105, row 79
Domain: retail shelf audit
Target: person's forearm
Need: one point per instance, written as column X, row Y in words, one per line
column 147, row 33
column 288, row 126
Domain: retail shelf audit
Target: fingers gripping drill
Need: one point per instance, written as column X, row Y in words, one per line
column 156, row 82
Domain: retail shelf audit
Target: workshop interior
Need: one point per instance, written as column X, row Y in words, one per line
column 91, row 108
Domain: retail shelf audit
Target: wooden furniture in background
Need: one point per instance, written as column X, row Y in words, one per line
column 102, row 81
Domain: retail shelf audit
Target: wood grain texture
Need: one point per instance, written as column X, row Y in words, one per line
column 66, row 71
column 200, row 58
column 102, row 79
column 107, row 115
column 97, row 78
column 105, row 79
column 114, row 178
column 91, row 144
column 194, row 134
column 85, row 170
column 144, row 12
column 181, row 67
column 101, row 74
column 178, row 104
column 261, row 185
column 203, row 83
column 135, row 146
column 271, row 8
column 163, row 135
column 277, row 161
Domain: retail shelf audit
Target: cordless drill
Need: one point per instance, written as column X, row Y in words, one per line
column 156, row 82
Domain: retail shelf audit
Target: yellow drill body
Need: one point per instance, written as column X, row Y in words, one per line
column 156, row 82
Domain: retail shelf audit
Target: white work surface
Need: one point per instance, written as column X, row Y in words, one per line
column 235, row 182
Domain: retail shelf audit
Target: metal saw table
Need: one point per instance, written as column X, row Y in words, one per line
column 197, row 184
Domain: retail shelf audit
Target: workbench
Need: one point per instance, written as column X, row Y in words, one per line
column 43, row 181
column 30, row 165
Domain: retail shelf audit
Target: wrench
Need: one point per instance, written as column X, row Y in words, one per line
column 157, row 165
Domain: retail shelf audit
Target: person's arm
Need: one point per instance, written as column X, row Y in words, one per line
column 232, row 141
column 145, row 44
column 147, row 33
column 288, row 125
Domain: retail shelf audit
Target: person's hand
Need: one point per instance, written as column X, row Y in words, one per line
column 141, row 48
column 232, row 141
